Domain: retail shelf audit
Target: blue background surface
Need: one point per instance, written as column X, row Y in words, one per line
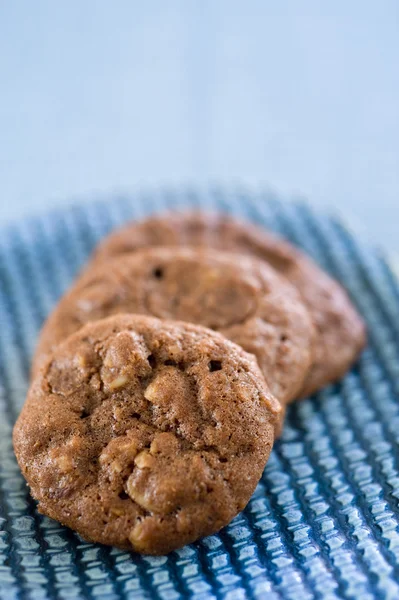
column 98, row 96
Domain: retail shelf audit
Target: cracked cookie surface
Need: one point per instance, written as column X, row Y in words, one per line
column 145, row 434
column 241, row 297
column 340, row 331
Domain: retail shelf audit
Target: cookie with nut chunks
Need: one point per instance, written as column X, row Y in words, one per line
column 145, row 434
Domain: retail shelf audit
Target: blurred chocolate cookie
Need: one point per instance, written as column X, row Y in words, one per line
column 340, row 331
column 239, row 296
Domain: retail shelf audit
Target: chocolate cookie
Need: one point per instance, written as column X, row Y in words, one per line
column 243, row 298
column 340, row 331
column 145, row 434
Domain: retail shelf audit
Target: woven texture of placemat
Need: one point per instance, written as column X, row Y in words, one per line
column 323, row 522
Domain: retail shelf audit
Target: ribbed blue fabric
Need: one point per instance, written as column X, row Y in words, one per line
column 324, row 520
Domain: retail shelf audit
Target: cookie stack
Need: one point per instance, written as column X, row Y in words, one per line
column 160, row 380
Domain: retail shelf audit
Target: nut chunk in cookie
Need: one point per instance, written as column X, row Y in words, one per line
column 145, row 434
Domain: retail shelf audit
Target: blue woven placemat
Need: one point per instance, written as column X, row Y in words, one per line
column 323, row 522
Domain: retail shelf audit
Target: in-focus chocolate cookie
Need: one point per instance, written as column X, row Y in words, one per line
column 340, row 331
column 242, row 297
column 145, row 434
